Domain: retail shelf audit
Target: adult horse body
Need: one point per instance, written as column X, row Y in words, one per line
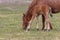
column 39, row 9
column 54, row 4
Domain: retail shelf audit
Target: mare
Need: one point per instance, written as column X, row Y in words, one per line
column 34, row 12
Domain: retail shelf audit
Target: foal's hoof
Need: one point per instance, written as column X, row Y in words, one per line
column 27, row 30
column 46, row 29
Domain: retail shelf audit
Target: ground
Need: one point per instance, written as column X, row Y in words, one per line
column 11, row 26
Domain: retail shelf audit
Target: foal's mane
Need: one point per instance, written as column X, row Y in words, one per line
column 28, row 14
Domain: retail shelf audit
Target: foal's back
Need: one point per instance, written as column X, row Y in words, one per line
column 41, row 8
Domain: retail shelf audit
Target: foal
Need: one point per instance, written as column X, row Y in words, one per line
column 40, row 9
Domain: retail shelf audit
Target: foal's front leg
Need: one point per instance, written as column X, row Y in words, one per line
column 29, row 23
column 28, row 27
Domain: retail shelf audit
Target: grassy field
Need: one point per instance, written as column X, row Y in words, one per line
column 11, row 26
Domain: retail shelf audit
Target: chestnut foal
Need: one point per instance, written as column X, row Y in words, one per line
column 39, row 9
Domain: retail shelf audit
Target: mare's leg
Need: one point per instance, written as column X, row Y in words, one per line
column 37, row 22
column 43, row 22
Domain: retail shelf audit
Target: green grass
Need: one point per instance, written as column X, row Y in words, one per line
column 11, row 26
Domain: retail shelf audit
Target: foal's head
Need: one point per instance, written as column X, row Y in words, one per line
column 25, row 22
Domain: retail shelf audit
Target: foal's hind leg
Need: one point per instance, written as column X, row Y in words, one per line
column 47, row 22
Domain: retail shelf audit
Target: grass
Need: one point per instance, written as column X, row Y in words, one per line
column 11, row 26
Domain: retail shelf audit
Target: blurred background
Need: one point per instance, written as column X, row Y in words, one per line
column 15, row 2
column 12, row 5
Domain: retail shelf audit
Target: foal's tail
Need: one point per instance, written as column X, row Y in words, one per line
column 50, row 11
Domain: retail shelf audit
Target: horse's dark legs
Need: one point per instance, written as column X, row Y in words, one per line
column 43, row 22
